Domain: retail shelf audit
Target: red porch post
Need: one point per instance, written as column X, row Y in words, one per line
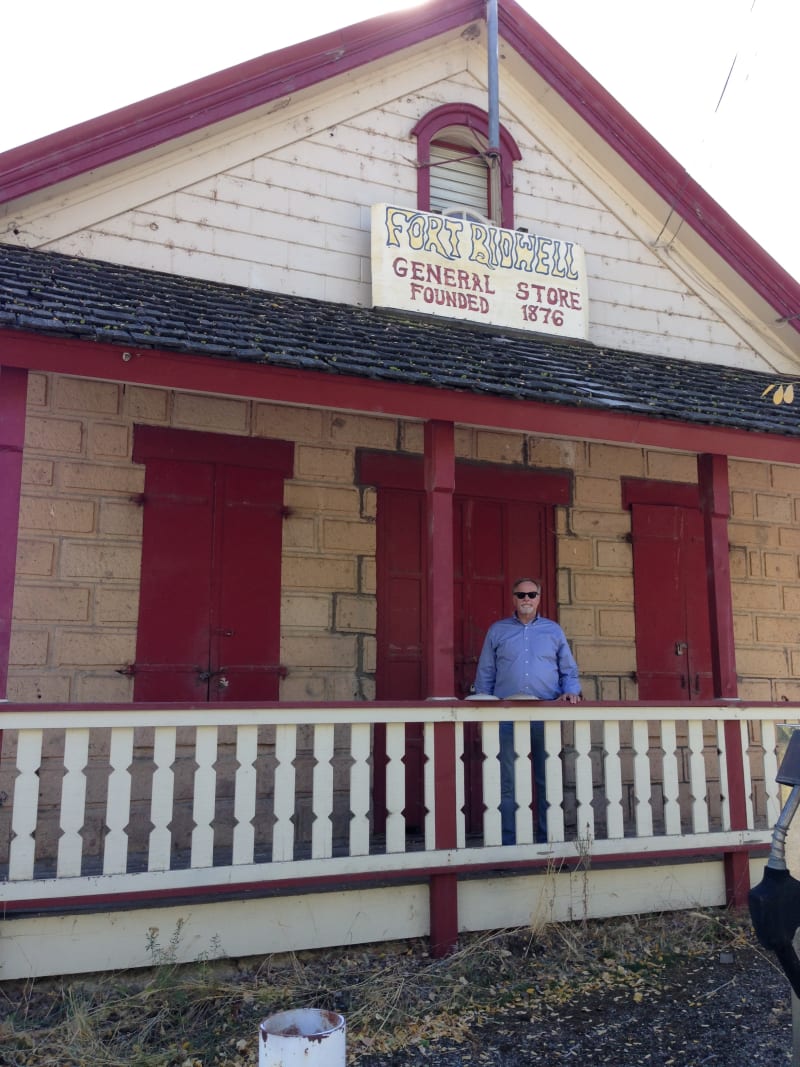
column 440, row 478
column 712, row 475
column 13, row 396
column 443, row 899
column 440, row 473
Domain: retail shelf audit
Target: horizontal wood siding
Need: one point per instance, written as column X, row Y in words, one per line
column 283, row 205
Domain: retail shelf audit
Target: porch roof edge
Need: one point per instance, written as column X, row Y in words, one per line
column 91, row 305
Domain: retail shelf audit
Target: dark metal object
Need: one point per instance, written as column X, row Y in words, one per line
column 775, row 901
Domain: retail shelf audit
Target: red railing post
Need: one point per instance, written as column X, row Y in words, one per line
column 440, row 472
column 737, row 864
column 444, row 887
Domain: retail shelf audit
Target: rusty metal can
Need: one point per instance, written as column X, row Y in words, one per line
column 303, row 1036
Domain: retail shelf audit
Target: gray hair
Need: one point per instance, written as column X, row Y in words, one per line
column 533, row 581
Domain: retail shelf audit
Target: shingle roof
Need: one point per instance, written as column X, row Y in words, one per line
column 64, row 296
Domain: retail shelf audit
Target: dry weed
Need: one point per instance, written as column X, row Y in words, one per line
column 392, row 995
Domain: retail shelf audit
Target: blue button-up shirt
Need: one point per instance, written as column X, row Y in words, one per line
column 535, row 660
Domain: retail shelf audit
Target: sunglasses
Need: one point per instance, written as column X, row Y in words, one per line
column 521, row 596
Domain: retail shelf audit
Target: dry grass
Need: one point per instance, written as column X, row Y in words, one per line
column 392, row 995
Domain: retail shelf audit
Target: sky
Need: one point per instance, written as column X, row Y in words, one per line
column 715, row 81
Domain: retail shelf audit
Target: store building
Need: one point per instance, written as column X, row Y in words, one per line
column 300, row 366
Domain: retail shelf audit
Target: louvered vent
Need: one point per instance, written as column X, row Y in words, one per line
column 459, row 183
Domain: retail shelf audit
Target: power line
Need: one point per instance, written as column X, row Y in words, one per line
column 733, row 64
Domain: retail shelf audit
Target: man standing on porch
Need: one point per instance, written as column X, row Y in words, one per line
column 525, row 657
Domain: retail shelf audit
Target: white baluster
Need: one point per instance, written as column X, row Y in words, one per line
column 395, row 787
column 73, row 803
column 244, row 801
column 770, row 744
column 671, row 788
column 118, row 800
column 584, row 787
column 360, row 796
column 322, row 793
column 205, row 790
column 724, row 790
column 641, row 779
column 748, row 777
column 161, row 798
column 283, row 829
column 612, row 773
column 22, row 849
column 490, row 741
column 429, row 777
column 697, row 778
column 461, row 796
column 523, row 783
column 554, row 782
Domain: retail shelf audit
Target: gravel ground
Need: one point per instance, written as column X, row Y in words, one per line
column 728, row 1005
column 723, row 1009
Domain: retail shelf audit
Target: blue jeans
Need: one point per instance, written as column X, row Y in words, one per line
column 508, row 804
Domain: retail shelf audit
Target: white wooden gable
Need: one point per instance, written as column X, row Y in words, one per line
column 279, row 199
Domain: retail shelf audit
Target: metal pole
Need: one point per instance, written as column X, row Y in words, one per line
column 777, row 852
column 494, row 79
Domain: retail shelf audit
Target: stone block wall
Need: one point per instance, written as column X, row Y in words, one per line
column 765, row 572
column 76, row 601
column 79, row 553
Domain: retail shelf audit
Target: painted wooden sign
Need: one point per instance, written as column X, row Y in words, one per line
column 459, row 268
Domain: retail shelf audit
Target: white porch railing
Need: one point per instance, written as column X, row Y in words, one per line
column 102, row 802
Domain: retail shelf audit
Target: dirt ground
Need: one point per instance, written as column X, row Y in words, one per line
column 676, row 990
column 719, row 1008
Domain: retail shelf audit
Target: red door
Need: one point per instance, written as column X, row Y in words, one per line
column 173, row 643
column 245, row 602
column 673, row 637
column 400, row 638
column 401, row 593
column 209, row 613
column 495, row 541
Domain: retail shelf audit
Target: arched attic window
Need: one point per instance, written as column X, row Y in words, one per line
column 455, row 172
